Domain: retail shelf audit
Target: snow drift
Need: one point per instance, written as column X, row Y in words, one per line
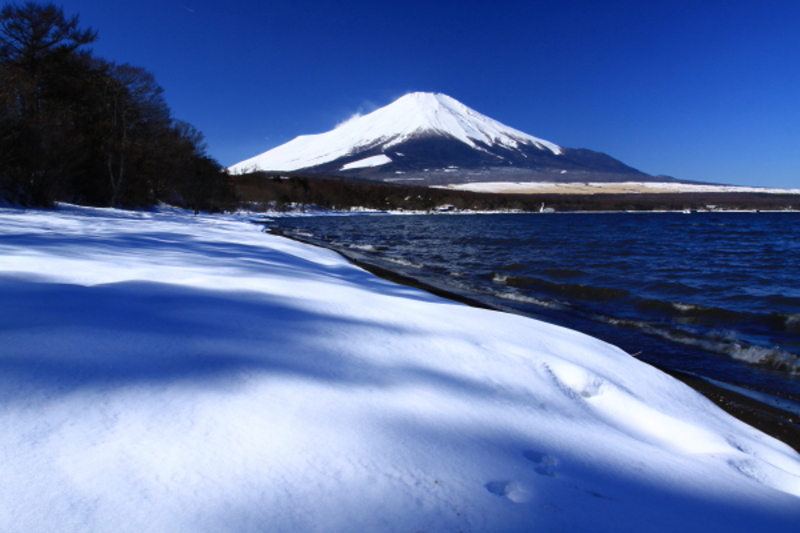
column 162, row 372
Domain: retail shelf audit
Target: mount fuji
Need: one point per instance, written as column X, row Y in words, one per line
column 435, row 139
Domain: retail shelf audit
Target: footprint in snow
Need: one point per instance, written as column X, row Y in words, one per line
column 513, row 490
column 576, row 383
column 748, row 468
column 545, row 464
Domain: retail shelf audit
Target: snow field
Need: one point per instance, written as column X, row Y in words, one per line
column 164, row 372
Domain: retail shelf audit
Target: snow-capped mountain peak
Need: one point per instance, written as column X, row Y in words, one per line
column 420, row 113
column 433, row 139
column 410, row 116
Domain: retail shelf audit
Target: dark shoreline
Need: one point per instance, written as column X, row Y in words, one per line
column 282, row 189
column 780, row 424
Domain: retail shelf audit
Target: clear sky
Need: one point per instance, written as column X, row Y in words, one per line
column 701, row 89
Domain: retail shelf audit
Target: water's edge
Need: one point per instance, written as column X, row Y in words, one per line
column 766, row 416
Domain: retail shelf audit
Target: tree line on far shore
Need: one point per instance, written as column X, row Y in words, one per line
column 78, row 128
column 263, row 191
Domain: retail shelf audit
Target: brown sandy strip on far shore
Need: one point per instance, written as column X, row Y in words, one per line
column 562, row 188
column 630, row 187
column 777, row 423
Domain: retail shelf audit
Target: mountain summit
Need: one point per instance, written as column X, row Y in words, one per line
column 435, row 139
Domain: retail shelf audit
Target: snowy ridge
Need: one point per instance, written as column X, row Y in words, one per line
column 409, row 116
column 162, row 372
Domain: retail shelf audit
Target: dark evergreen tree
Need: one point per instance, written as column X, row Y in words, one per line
column 40, row 56
column 78, row 128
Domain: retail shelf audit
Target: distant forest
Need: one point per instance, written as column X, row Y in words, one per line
column 78, row 128
column 262, row 191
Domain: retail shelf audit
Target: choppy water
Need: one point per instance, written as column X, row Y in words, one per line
column 717, row 294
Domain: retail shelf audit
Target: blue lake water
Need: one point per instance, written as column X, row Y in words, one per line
column 717, row 294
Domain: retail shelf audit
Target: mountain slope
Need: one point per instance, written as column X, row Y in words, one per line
column 435, row 138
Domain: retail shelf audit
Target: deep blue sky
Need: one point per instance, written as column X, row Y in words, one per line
column 705, row 90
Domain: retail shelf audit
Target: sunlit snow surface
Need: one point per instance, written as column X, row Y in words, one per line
column 409, row 115
column 374, row 161
column 161, row 372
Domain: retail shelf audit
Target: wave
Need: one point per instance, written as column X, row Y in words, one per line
column 791, row 321
column 782, row 300
column 564, row 272
column 671, row 288
column 367, row 247
column 725, row 342
column 401, row 261
column 570, row 290
column 711, row 315
column 690, row 312
column 516, row 297
column 513, row 266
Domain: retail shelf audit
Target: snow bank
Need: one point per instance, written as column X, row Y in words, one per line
column 162, row 372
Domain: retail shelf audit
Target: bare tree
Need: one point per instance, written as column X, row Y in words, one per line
column 135, row 111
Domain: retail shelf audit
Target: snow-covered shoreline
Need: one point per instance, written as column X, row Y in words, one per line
column 164, row 372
